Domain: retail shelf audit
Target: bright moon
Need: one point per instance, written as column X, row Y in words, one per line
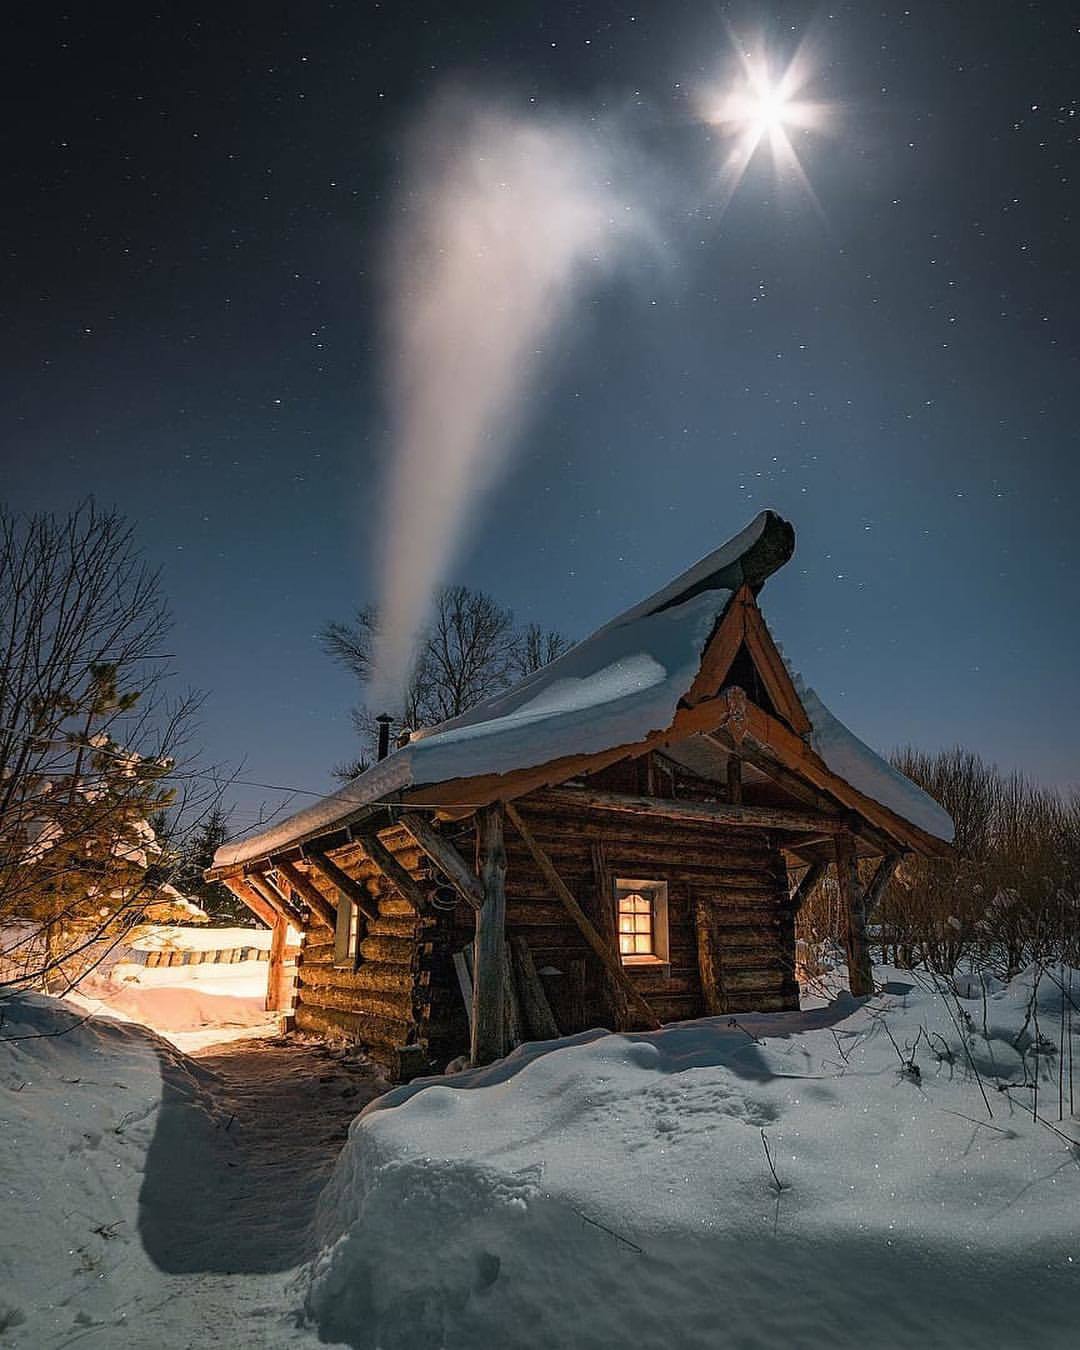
column 757, row 108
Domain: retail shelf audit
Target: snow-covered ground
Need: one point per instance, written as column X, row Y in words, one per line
column 191, row 1005
column 593, row 1192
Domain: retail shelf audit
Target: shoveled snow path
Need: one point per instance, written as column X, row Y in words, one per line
column 162, row 1200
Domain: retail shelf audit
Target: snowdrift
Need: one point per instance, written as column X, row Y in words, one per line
column 610, row 1190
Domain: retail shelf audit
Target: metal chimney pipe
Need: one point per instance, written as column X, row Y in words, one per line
column 384, row 720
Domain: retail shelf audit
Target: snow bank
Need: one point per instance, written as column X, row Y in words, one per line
column 79, row 1106
column 611, row 1190
column 128, row 1195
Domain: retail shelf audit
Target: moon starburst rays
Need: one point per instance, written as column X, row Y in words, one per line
column 762, row 109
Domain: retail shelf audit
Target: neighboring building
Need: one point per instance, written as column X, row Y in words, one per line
column 612, row 842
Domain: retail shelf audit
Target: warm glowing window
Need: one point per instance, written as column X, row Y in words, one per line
column 642, row 921
column 636, row 924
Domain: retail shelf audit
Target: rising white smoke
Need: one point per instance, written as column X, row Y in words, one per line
column 504, row 220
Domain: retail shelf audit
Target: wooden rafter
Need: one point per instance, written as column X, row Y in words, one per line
column 398, row 877
column 608, row 958
column 347, row 885
column 277, row 902
column 744, row 626
column 319, row 905
column 770, row 666
column 796, row 755
column 249, row 896
column 445, row 856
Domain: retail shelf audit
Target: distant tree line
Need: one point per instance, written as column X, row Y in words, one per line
column 1009, row 898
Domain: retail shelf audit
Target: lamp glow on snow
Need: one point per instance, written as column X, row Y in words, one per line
column 762, row 109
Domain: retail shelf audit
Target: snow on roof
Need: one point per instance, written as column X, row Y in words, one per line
column 614, row 688
column 866, row 771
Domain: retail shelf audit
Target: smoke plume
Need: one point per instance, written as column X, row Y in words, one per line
column 504, row 220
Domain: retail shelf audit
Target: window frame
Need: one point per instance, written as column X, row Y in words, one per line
column 347, row 935
column 657, row 892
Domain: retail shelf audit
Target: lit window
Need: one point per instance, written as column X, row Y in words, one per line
column 635, row 924
column 642, row 921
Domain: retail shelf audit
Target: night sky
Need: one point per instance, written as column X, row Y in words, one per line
column 196, row 203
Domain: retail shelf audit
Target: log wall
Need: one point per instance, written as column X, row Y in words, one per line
column 404, row 999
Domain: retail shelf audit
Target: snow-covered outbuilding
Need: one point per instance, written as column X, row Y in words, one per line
column 623, row 838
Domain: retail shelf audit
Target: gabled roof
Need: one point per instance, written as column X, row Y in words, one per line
column 633, row 681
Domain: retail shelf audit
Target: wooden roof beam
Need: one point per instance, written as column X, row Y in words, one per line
column 249, row 896
column 445, row 856
column 398, row 877
column 308, row 892
column 350, row 888
column 713, row 813
column 273, row 897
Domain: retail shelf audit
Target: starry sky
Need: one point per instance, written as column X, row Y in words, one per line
column 196, row 205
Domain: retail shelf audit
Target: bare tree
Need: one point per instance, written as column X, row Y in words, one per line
column 471, row 650
column 1007, row 898
column 90, row 740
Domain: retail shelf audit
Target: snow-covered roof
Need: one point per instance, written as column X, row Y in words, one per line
column 614, row 688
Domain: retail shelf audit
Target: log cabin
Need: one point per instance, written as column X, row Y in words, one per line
column 622, row 839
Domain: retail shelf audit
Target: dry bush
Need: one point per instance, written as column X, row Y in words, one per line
column 1009, row 897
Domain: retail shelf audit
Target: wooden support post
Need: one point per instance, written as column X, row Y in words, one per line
column 609, row 958
column 538, row 1015
column 515, row 1032
column 860, row 969
column 734, row 780
column 488, row 1030
column 446, row 857
column 350, row 888
column 607, row 927
column 710, row 956
column 392, row 870
column 881, row 878
column 810, row 879
column 278, row 994
column 306, row 889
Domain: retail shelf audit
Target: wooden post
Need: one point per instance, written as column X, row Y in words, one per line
column 515, row 1032
column 734, row 780
column 860, row 968
column 810, row 879
column 278, row 994
column 488, row 1030
column 607, row 927
column 609, row 957
column 537, row 1010
column 709, row 956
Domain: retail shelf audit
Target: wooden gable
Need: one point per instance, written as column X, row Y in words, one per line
column 742, row 652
